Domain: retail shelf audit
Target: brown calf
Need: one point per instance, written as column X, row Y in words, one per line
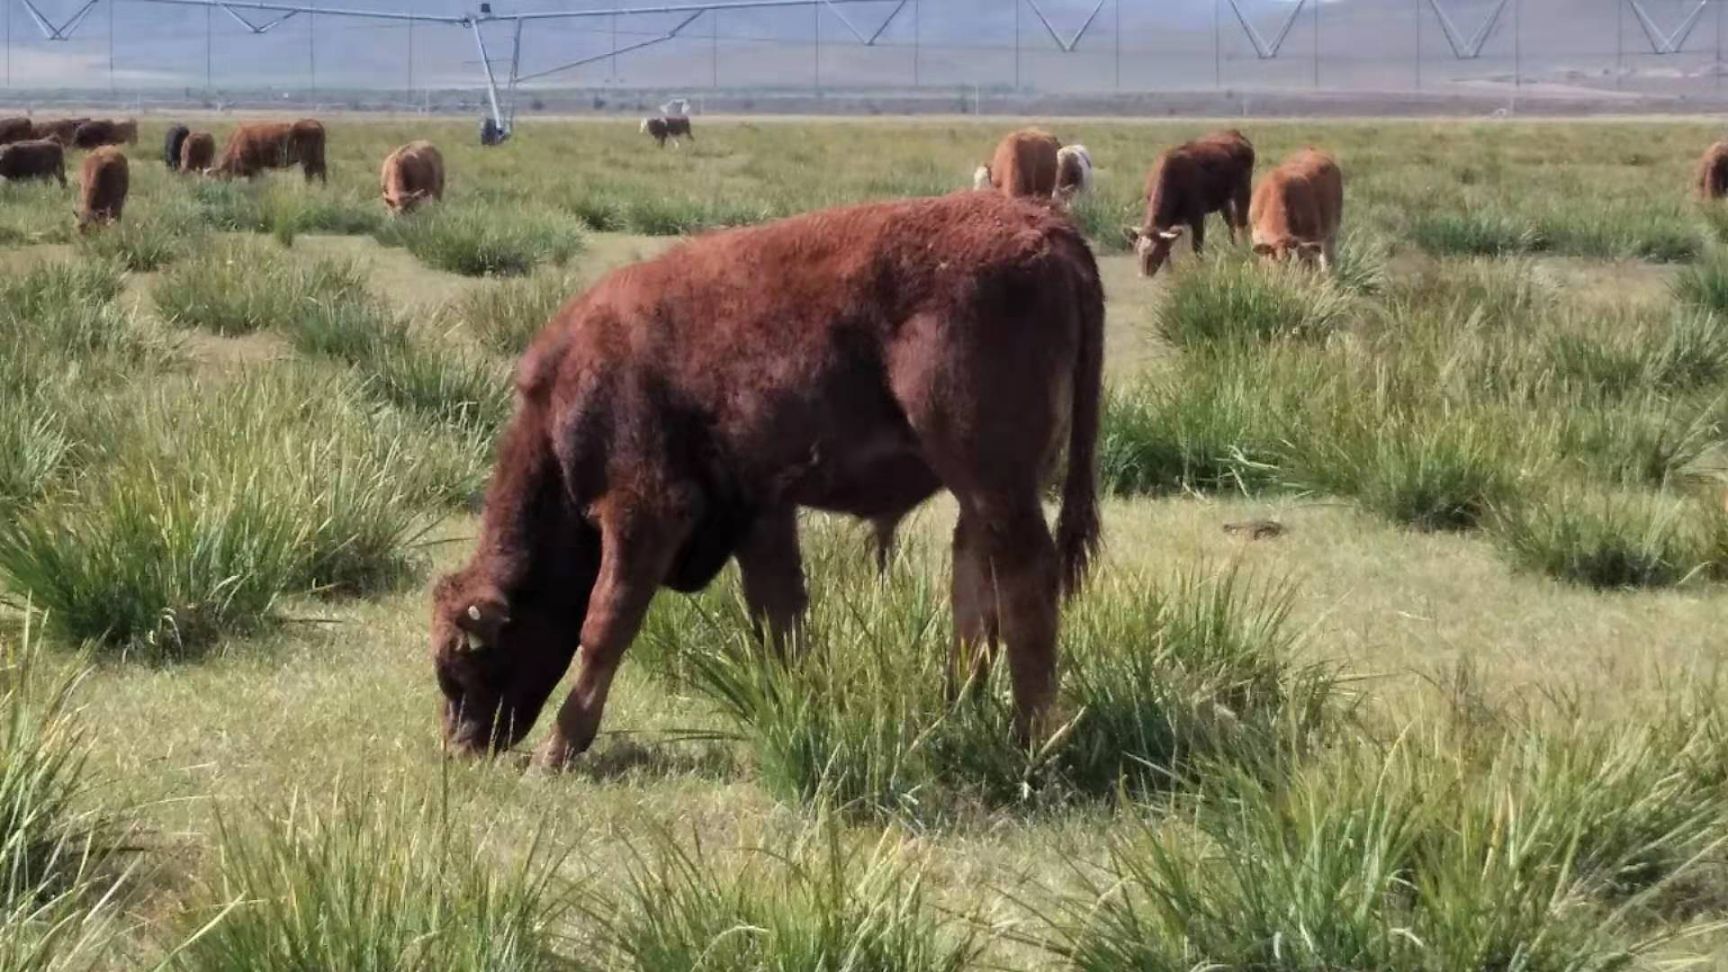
column 1212, row 174
column 1025, row 164
column 411, row 175
column 14, row 130
column 1297, row 208
column 197, row 152
column 106, row 179
column 252, row 148
column 34, row 159
column 97, row 133
column 680, row 412
column 1713, row 172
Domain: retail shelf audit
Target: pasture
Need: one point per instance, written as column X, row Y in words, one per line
column 1463, row 710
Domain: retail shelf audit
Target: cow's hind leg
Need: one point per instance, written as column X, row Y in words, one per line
column 772, row 570
column 882, row 529
column 977, row 627
column 637, row 551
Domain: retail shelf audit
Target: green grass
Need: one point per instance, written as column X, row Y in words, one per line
column 349, row 881
column 482, row 241
column 504, row 316
column 1478, row 233
column 1231, row 301
column 249, row 288
column 1613, row 539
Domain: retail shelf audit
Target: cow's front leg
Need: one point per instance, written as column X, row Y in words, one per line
column 772, row 569
column 638, row 547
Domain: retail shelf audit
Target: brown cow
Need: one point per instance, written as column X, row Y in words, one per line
column 252, row 148
column 14, row 130
column 667, row 128
column 679, row 413
column 105, row 179
column 1212, row 174
column 97, row 133
column 1024, row 164
column 35, row 159
column 411, row 175
column 1713, row 172
column 197, row 151
column 1297, row 207
column 59, row 130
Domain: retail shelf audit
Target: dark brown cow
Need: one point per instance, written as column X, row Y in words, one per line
column 679, row 413
column 1713, row 172
column 171, row 145
column 35, row 159
column 14, row 130
column 197, row 152
column 58, row 130
column 668, row 128
column 105, row 178
column 100, row 132
column 1297, row 208
column 411, row 175
column 1212, row 174
column 1025, row 164
column 252, row 148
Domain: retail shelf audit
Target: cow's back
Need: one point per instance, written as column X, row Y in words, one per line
column 106, row 179
column 1025, row 163
column 1196, row 178
column 1713, row 172
column 1300, row 200
column 197, row 152
column 14, row 130
column 32, row 159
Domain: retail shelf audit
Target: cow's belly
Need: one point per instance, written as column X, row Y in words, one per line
column 877, row 475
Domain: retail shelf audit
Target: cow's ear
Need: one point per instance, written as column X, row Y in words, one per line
column 1131, row 234
column 1310, row 248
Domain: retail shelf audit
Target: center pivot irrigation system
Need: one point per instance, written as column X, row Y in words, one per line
column 260, row 17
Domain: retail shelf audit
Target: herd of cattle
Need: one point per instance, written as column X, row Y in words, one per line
column 30, row 149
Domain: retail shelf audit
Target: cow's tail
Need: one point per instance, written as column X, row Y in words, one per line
column 1077, row 526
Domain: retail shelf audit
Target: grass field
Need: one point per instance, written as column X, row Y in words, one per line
column 1464, row 712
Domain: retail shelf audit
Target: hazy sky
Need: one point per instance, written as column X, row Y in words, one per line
column 1163, row 44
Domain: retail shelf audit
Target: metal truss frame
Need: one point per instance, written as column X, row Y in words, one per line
column 1662, row 42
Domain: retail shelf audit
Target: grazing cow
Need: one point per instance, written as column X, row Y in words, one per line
column 1025, row 164
column 1212, row 174
column 1297, row 207
column 14, row 130
column 171, row 145
column 252, row 148
column 1713, row 172
column 667, row 128
column 35, row 159
column 412, row 174
column 105, row 178
column 1073, row 172
column 197, row 152
column 679, row 413
column 59, row 130
column 97, row 133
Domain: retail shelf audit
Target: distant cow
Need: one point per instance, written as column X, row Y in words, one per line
column 981, row 177
column 679, row 413
column 105, row 179
column 1212, row 174
column 668, row 128
column 411, row 175
column 252, row 148
column 1073, row 172
column 171, row 144
column 197, row 152
column 34, row 159
column 1025, row 164
column 1713, row 172
column 58, row 130
column 14, row 130
column 1297, row 208
column 99, row 132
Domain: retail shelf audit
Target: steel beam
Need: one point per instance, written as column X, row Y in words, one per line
column 1467, row 49
column 1267, row 49
column 1069, row 44
column 1666, row 43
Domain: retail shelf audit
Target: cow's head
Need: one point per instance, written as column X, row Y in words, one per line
column 496, row 661
column 981, row 177
column 405, row 202
column 1151, row 246
column 1282, row 250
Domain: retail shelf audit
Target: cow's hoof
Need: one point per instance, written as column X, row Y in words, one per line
column 552, row 757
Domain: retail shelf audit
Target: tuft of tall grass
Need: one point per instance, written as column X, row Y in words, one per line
column 1648, row 439
column 1542, row 850
column 1704, row 285
column 144, row 242
column 449, row 386
column 1233, row 301
column 34, row 440
column 189, row 531
column 1474, row 232
column 815, row 904
column 479, row 242
column 364, row 883
column 505, row 315
column 251, row 288
column 1214, row 427
column 1610, row 539
column 1157, row 679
